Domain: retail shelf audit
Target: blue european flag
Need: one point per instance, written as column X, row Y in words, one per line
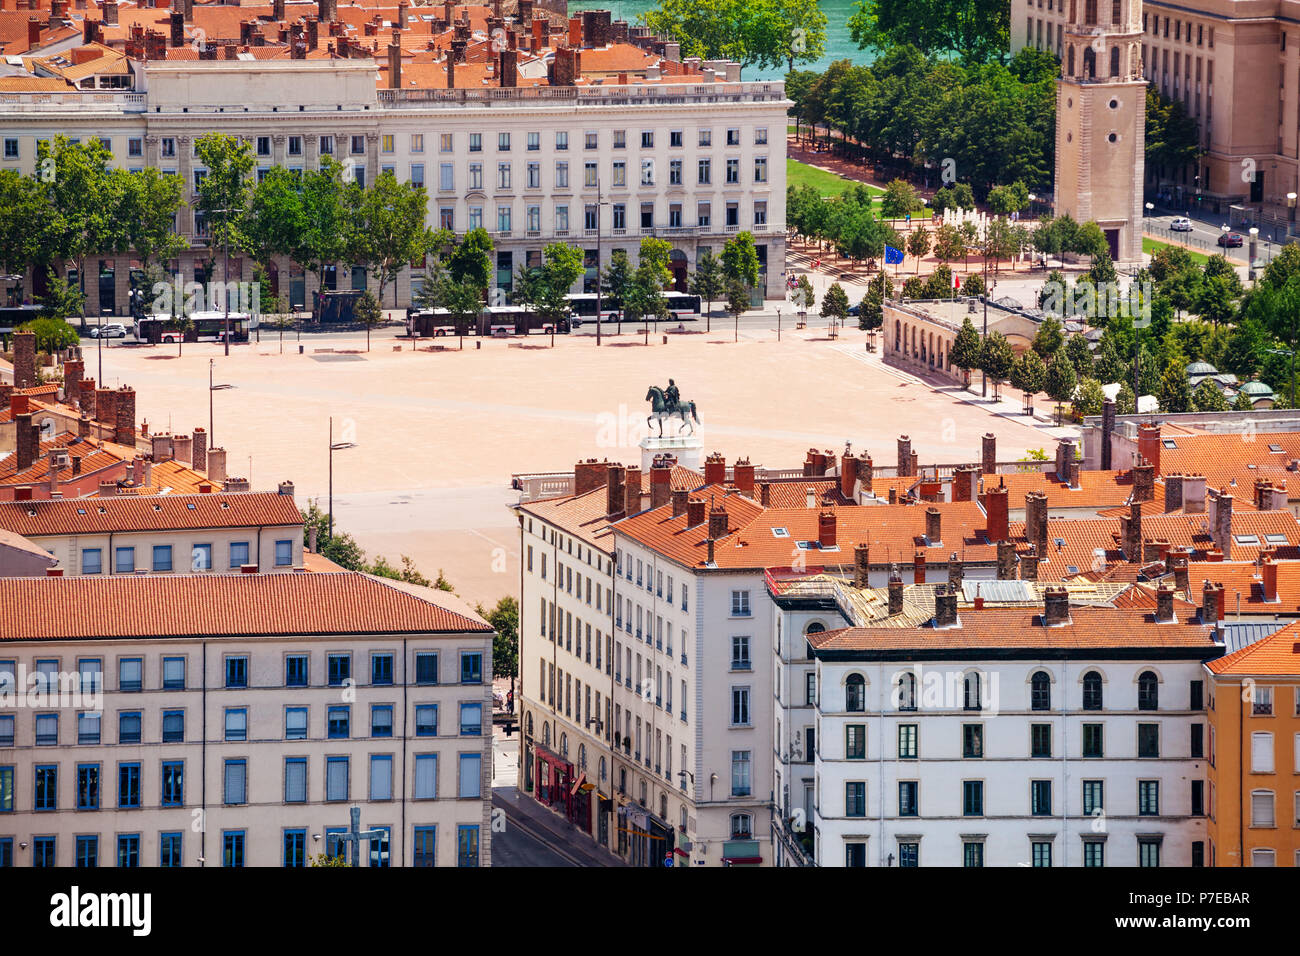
column 893, row 256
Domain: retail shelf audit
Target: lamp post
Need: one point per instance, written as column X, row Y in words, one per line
column 1290, row 212
column 778, row 325
column 213, row 388
column 1149, row 207
column 334, row 446
column 1251, row 251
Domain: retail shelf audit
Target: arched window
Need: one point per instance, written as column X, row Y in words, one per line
column 663, row 806
column 816, row 627
column 602, row 768
column 1092, row 691
column 530, row 725
column 1114, row 61
column 582, row 757
column 546, row 735
column 855, row 694
column 1148, row 691
column 742, row 826
column 1089, row 64
column 1069, row 68
column 898, row 332
column 564, row 745
column 907, row 691
column 1090, row 12
column 972, row 699
column 1041, row 691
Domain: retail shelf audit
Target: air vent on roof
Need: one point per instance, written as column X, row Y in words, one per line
column 31, row 512
column 103, row 510
column 81, row 511
column 225, row 504
column 1059, row 542
column 157, row 507
column 190, row 505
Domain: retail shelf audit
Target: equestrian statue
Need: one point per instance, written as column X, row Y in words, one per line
column 666, row 403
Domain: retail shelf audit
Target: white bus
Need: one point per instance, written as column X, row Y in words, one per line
column 682, row 305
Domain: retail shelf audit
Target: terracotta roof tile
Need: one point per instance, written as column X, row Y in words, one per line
column 1277, row 655
column 73, row 516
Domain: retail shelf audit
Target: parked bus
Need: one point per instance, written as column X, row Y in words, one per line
column 681, row 305
column 209, row 326
column 494, row 320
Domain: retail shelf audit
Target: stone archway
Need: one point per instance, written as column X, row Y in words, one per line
column 678, row 264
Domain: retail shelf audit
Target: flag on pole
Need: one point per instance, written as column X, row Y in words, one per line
column 893, row 256
column 956, row 281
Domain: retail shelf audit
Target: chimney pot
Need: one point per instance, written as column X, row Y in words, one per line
column 1056, row 606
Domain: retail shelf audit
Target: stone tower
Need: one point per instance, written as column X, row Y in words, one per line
column 1100, row 122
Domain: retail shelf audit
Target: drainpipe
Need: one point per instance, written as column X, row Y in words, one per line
column 1065, row 765
column 406, row 740
column 203, row 764
column 880, row 760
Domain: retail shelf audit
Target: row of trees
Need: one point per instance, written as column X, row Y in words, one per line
column 763, row 33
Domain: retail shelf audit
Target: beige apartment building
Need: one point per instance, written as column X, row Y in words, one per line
column 1235, row 65
column 164, row 534
column 234, row 720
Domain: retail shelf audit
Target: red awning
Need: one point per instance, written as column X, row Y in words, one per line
column 742, row 859
column 553, row 758
column 680, row 852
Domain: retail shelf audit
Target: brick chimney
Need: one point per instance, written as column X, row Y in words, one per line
column 1164, row 604
column 632, row 490
column 715, row 469
column 1268, row 573
column 679, row 502
column 329, row 10
column 1107, row 431
column 575, row 32
column 661, row 482
column 1173, row 493
column 589, row 475
column 34, row 28
column 1131, row 532
column 1056, row 606
column 965, row 482
column 933, row 526
column 124, row 407
column 176, row 21
column 810, row 463
column 918, row 567
column 995, row 510
column 402, row 7
column 26, row 441
column 695, row 512
column 236, row 484
column 1036, row 520
column 866, row 470
column 161, row 447
column 199, row 450
column 945, row 607
column 826, row 529
column 313, row 33
column 743, row 476
column 904, row 457
column 765, row 494
column 1211, row 603
column 1006, row 560
column 1149, row 443
column 1181, row 575
column 87, row 397
column 861, row 565
column 394, row 59
column 912, row 469
column 1221, row 522
column 895, row 591
column 24, row 344
column 954, row 571
column 539, row 33
column 216, row 465
column 83, row 426
column 1029, row 565
column 566, row 66
column 1144, row 480
column 277, row 10
column 73, row 370
column 1193, row 494
column 717, row 522
column 110, row 12
column 451, row 67
column 509, row 71
column 989, row 453
column 615, row 477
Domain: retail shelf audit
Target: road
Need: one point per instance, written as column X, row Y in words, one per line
column 1204, row 237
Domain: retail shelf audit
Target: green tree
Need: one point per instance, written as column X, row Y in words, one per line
column 1088, row 397
column 1029, row 374
column 62, row 299
column 939, row 284
column 1171, row 138
column 1079, row 355
column 1102, row 270
column 738, row 298
column 948, row 243
column 918, row 244
column 1090, row 241
column 340, row 548
column 956, row 196
column 740, row 259
column 1109, row 365
column 644, row 296
column 871, row 314
column 973, row 285
column 1125, row 403
column 24, row 202
column 367, row 311
column 1005, row 200
column 225, row 189
column 976, row 30
column 52, row 333
column 618, row 276
column 996, row 360
column 1216, row 298
column 803, row 297
column 504, row 618
column 149, row 202
column 274, row 218
column 1209, row 397
column 1049, row 338
column 1175, row 393
column 328, row 219
column 764, row 33
column 707, row 281
column 1060, row 382
column 835, row 303
column 182, row 325
column 391, row 231
column 966, row 349
column 548, row 285
column 1241, row 403
column 900, row 198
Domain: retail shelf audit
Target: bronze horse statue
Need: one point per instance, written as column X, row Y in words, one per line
column 659, row 410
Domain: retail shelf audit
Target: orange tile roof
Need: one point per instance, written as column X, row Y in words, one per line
column 1089, row 629
column 1277, row 655
column 148, row 513
column 580, row 515
column 658, row 529
column 35, row 84
column 1234, row 461
column 203, row 605
column 94, row 457
column 793, row 493
column 1097, row 489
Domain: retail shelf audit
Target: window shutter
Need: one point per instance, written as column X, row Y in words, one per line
column 1261, row 753
column 1261, row 809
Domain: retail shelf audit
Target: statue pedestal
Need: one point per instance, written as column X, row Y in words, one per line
column 687, row 449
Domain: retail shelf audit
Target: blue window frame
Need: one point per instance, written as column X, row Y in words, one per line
column 236, row 723
column 426, row 720
column 471, row 667
column 173, row 726
column 128, row 726
column 295, row 779
column 87, row 851
column 43, row 851
column 235, row 784
column 336, row 778
column 173, row 669
column 201, row 557
column 92, row 561
column 87, row 786
column 295, row 670
column 7, row 730
column 128, row 785
column 6, row 789
column 236, row 672
column 47, row 730
column 426, row 846
column 91, row 672
column 426, row 668
column 426, row 776
column 88, row 723
column 335, row 849
column 381, row 720
column 295, row 848
column 130, row 674
column 381, row 776
column 339, row 719
column 381, row 669
column 232, row 847
column 6, row 852
column 162, row 557
column 9, row 675
column 173, row 783
column 379, row 848
column 295, row 723
column 467, row 845
column 471, row 775
column 124, row 560
column 128, row 850
column 340, row 669
column 169, row 849
column 238, row 554
column 471, row 719
column 284, row 553
column 46, row 787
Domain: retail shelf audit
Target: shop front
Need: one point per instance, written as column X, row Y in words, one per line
column 554, row 777
column 644, row 839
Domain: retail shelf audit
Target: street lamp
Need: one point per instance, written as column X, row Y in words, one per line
column 213, row 388
column 1251, row 250
column 334, row 446
column 1290, row 211
column 1150, row 206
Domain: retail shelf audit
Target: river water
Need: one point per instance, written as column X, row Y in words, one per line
column 839, row 45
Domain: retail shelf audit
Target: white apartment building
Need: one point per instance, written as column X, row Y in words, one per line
column 234, row 720
column 163, row 534
column 598, row 165
column 1054, row 736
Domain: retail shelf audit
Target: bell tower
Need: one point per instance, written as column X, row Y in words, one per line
column 1100, row 122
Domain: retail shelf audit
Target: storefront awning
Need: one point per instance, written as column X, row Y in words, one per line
column 554, row 759
column 741, row 860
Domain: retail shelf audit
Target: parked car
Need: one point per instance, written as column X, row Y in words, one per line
column 1231, row 240
column 1181, row 224
column 113, row 330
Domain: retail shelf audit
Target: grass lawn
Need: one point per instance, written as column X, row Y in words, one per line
column 799, row 174
column 1151, row 246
